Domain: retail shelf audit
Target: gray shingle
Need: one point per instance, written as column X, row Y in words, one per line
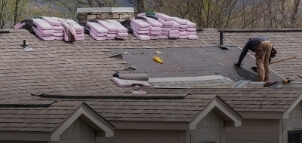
column 84, row 69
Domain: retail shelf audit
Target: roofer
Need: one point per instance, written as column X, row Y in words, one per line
column 262, row 48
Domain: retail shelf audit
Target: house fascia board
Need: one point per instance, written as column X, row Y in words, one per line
column 24, row 136
column 224, row 109
column 82, row 111
column 151, row 125
column 261, row 115
column 291, row 107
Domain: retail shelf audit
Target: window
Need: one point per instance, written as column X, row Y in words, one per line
column 294, row 137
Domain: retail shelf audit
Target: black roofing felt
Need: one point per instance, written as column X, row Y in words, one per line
column 190, row 62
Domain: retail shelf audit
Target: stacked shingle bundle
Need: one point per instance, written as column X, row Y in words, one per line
column 112, row 30
column 174, row 31
column 43, row 29
column 122, row 32
column 18, row 26
column 140, row 29
column 155, row 28
column 191, row 30
column 71, row 30
column 53, row 28
column 57, row 28
column 79, row 30
column 180, row 28
column 107, row 30
column 173, row 27
column 183, row 34
column 167, row 22
column 97, row 31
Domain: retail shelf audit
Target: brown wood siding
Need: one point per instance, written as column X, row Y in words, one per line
column 78, row 131
column 145, row 136
column 210, row 128
column 253, row 131
column 294, row 122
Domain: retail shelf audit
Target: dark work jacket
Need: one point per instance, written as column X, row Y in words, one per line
column 250, row 45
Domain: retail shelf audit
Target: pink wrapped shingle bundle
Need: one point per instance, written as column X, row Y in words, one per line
column 18, row 26
column 155, row 28
column 191, row 30
column 71, row 29
column 163, row 16
column 43, row 29
column 79, row 30
column 141, row 14
column 174, row 31
column 57, row 28
column 141, row 29
column 112, row 30
column 97, row 31
column 183, row 35
column 167, row 22
column 183, row 23
column 53, row 21
column 46, row 37
column 58, row 32
column 122, row 32
column 69, row 32
column 153, row 22
column 187, row 28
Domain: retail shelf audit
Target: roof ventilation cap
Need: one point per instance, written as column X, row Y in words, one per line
column 25, row 46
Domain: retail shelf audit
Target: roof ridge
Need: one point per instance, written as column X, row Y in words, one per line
column 125, row 96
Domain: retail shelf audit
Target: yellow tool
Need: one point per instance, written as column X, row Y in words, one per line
column 288, row 80
column 158, row 59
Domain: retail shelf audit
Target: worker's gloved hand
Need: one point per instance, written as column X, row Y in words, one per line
column 237, row 65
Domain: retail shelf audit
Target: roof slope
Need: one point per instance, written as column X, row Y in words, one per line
column 160, row 105
column 286, row 42
column 81, row 68
column 36, row 118
column 84, row 69
column 256, row 99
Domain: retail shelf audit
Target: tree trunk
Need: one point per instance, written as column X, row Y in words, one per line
column 16, row 12
column 141, row 6
column 244, row 11
column 269, row 7
column 283, row 22
column 294, row 14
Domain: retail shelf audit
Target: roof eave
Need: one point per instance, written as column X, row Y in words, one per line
column 151, row 125
column 25, row 136
column 222, row 107
column 291, row 107
column 90, row 116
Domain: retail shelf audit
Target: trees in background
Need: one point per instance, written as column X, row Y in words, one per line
column 235, row 13
column 69, row 7
column 14, row 11
column 11, row 11
column 206, row 13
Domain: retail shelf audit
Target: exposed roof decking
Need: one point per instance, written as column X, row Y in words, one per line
column 287, row 44
column 191, row 62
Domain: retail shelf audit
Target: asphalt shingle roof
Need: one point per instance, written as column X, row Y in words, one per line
column 84, row 69
column 34, row 118
column 254, row 99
